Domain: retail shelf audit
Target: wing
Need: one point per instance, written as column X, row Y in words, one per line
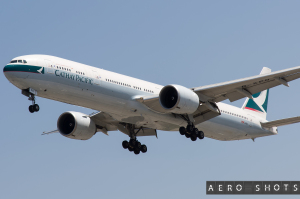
column 246, row 87
column 105, row 122
column 281, row 122
column 232, row 90
column 203, row 113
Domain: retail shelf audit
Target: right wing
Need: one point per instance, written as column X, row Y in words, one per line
column 105, row 122
column 281, row 122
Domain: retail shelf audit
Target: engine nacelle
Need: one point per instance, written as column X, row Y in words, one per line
column 178, row 99
column 76, row 125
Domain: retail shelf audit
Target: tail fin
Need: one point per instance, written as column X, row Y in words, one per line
column 259, row 104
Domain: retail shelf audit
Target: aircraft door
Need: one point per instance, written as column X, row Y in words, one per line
column 49, row 67
column 96, row 77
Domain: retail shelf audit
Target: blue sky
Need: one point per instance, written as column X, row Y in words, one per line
column 191, row 43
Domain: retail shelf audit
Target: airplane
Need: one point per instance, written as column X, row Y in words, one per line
column 140, row 108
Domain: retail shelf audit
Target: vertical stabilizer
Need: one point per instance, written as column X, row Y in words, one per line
column 259, row 104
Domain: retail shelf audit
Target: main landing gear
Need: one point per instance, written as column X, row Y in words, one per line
column 191, row 131
column 34, row 107
column 133, row 144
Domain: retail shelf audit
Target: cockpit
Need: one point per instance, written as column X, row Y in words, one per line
column 18, row 61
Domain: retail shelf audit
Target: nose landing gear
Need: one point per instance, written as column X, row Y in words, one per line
column 34, row 107
column 30, row 93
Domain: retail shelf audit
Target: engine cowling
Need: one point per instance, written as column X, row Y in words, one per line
column 178, row 99
column 76, row 125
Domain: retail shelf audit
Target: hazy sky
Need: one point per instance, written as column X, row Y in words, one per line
column 191, row 43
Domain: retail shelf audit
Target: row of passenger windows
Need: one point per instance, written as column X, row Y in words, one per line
column 148, row 90
column 80, row 73
column 234, row 114
column 67, row 69
column 19, row 61
column 61, row 68
column 123, row 84
column 120, row 83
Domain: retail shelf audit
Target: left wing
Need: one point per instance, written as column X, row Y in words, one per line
column 246, row 87
column 281, row 122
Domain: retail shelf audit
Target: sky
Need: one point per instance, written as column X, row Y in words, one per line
column 190, row 43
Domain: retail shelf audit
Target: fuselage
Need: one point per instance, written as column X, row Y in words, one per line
column 82, row 85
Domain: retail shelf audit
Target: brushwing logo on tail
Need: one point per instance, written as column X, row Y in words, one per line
column 259, row 103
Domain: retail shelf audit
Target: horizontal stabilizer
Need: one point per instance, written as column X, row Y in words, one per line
column 281, row 122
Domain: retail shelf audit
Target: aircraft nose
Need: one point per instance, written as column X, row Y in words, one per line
column 6, row 70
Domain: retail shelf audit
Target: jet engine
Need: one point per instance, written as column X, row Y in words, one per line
column 76, row 125
column 178, row 99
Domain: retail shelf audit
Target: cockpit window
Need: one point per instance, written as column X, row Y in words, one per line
column 20, row 61
column 14, row 61
column 24, row 61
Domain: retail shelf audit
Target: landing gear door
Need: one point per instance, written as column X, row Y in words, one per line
column 49, row 67
column 96, row 77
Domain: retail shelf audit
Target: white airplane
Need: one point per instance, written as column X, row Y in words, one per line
column 139, row 108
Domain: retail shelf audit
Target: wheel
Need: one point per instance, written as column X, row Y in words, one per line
column 187, row 135
column 138, row 145
column 195, row 132
column 136, row 152
column 144, row 148
column 189, row 128
column 31, row 109
column 132, row 142
column 201, row 135
column 36, row 107
column 125, row 144
column 182, row 130
column 130, row 149
column 193, row 138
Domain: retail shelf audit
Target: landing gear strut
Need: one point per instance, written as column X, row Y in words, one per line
column 191, row 131
column 133, row 144
column 34, row 107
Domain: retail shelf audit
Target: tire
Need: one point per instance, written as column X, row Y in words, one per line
column 193, row 138
column 144, row 148
column 201, row 135
column 138, row 145
column 189, row 128
column 182, row 130
column 187, row 135
column 31, row 109
column 125, row 144
column 136, row 152
column 195, row 132
column 130, row 149
column 36, row 107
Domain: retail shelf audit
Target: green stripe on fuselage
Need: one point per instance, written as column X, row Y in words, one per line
column 24, row 68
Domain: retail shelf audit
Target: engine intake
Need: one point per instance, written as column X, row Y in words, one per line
column 178, row 99
column 76, row 125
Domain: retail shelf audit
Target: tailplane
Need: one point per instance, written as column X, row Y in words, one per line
column 259, row 104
